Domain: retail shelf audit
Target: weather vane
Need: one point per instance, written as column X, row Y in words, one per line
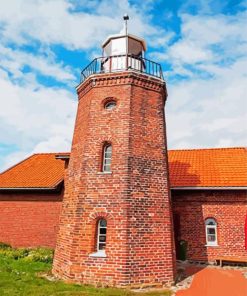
column 126, row 18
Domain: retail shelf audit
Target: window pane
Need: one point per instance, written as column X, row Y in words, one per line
column 107, row 168
column 211, row 238
column 101, row 246
column 211, row 230
column 210, row 221
column 107, row 161
column 102, row 223
column 110, row 105
column 102, row 231
column 102, row 238
column 108, row 155
column 108, row 148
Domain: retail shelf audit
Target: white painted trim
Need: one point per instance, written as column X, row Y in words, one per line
column 214, row 226
column 104, row 173
column 116, row 36
column 98, row 235
column 104, row 160
column 99, row 254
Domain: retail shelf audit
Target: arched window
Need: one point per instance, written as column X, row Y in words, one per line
column 101, row 235
column 211, row 232
column 109, row 105
column 107, row 156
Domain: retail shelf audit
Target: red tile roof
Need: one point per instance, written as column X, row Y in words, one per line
column 219, row 167
column 223, row 167
column 37, row 171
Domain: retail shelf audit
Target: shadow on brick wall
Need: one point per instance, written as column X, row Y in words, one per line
column 187, row 213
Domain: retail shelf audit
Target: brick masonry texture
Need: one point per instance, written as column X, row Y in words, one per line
column 134, row 197
column 29, row 219
column 228, row 208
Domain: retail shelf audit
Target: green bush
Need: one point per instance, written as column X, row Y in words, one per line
column 20, row 253
column 5, row 246
column 41, row 255
column 37, row 254
column 15, row 253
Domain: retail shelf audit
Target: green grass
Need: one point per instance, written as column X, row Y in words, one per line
column 20, row 277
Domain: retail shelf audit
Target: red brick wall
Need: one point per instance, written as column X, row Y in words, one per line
column 134, row 198
column 29, row 220
column 228, row 208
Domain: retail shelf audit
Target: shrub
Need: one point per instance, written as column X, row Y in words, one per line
column 5, row 246
column 37, row 254
column 41, row 255
column 15, row 253
column 20, row 253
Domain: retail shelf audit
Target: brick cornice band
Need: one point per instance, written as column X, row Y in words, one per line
column 123, row 78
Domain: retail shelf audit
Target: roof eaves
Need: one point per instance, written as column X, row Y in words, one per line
column 207, row 149
column 62, row 157
column 210, row 188
column 56, row 187
column 28, row 188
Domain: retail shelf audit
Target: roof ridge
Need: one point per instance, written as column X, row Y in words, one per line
column 50, row 153
column 216, row 148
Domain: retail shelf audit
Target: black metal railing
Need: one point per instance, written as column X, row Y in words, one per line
column 119, row 63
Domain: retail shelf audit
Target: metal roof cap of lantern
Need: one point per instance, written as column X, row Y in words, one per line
column 123, row 52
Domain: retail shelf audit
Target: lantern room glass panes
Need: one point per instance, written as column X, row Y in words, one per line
column 211, row 232
column 101, row 239
column 107, row 156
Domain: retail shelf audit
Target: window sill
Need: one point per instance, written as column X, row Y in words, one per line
column 216, row 245
column 99, row 254
column 104, row 173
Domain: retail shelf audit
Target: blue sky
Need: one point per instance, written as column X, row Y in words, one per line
column 44, row 44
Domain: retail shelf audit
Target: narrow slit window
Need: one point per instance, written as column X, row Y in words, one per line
column 211, row 232
column 101, row 237
column 107, row 157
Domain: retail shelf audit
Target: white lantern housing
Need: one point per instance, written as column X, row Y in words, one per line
column 123, row 52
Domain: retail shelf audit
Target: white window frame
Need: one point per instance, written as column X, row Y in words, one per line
column 99, row 234
column 106, row 165
column 208, row 226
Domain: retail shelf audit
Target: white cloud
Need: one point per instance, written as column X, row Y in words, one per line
column 201, row 112
column 58, row 22
column 15, row 60
column 211, row 111
column 33, row 117
column 188, row 52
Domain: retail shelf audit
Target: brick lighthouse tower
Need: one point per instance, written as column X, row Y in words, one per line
column 115, row 226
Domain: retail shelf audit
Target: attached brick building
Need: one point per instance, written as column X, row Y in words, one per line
column 205, row 183
column 127, row 202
